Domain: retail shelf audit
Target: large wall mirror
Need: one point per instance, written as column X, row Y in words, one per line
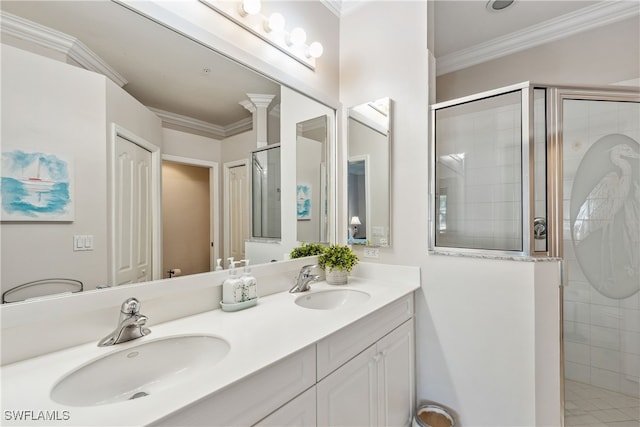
column 368, row 189
column 210, row 118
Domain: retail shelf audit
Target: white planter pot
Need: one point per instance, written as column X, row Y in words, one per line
column 337, row 277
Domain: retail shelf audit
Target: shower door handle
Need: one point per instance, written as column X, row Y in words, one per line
column 539, row 228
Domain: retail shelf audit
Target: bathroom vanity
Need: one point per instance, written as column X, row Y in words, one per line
column 330, row 356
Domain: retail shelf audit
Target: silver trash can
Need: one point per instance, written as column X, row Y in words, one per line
column 433, row 416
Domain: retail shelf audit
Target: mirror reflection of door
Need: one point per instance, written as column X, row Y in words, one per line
column 237, row 210
column 132, row 252
column 358, row 199
column 186, row 247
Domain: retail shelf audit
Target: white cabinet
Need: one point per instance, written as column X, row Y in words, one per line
column 375, row 388
column 360, row 375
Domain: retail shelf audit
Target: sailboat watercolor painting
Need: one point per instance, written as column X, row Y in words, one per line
column 36, row 187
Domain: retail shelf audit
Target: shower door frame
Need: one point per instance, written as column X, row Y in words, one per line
column 527, row 167
column 556, row 95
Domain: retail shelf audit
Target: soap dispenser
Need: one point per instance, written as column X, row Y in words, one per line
column 232, row 286
column 249, row 283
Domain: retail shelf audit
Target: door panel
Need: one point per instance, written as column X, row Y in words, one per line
column 132, row 213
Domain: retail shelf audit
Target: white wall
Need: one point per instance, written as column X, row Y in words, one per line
column 197, row 20
column 475, row 326
column 54, row 107
column 598, row 57
column 49, row 106
column 185, row 144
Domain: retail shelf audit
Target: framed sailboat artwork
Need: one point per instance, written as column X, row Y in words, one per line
column 36, row 186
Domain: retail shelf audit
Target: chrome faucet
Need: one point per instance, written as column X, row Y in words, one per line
column 304, row 279
column 130, row 325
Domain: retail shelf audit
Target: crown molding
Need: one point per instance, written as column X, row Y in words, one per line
column 335, row 6
column 603, row 13
column 219, row 132
column 49, row 38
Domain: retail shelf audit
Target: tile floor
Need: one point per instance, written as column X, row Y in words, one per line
column 587, row 405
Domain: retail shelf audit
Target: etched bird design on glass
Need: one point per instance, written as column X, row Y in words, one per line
column 611, row 196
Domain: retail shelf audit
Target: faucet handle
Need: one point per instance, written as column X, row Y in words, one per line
column 307, row 268
column 130, row 306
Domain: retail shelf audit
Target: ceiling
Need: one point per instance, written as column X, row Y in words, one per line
column 460, row 24
column 163, row 69
column 169, row 72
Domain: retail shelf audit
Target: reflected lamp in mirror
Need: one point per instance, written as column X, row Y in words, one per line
column 355, row 222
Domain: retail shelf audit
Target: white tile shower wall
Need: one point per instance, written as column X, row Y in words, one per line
column 602, row 335
column 484, row 210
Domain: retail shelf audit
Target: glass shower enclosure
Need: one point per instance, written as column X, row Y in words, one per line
column 489, row 183
column 534, row 170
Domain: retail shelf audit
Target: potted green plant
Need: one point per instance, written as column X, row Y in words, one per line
column 337, row 261
column 306, row 249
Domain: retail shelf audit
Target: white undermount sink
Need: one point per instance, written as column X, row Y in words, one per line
column 332, row 299
column 141, row 370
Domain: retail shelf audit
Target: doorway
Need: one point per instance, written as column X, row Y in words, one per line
column 601, row 245
column 189, row 216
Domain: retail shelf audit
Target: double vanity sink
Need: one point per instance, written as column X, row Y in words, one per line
column 183, row 361
column 161, row 364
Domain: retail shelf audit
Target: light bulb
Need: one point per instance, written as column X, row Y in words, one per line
column 251, row 7
column 297, row 37
column 315, row 50
column 274, row 23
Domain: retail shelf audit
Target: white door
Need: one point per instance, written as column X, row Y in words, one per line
column 396, row 377
column 238, row 210
column 132, row 256
column 349, row 396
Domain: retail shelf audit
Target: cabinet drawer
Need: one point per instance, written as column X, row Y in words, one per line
column 251, row 399
column 337, row 349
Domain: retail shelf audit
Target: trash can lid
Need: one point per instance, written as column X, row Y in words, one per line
column 433, row 416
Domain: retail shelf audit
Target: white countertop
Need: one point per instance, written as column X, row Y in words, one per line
column 258, row 337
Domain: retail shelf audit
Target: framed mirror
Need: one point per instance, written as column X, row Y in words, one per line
column 368, row 188
column 200, row 108
column 312, row 214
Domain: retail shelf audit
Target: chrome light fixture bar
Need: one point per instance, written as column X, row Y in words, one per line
column 271, row 29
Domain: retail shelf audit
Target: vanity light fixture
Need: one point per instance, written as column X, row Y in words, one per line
column 249, row 7
column 297, row 37
column 246, row 14
column 275, row 22
column 315, row 50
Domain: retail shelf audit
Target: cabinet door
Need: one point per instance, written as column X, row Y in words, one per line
column 395, row 355
column 349, row 397
column 253, row 398
column 300, row 412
